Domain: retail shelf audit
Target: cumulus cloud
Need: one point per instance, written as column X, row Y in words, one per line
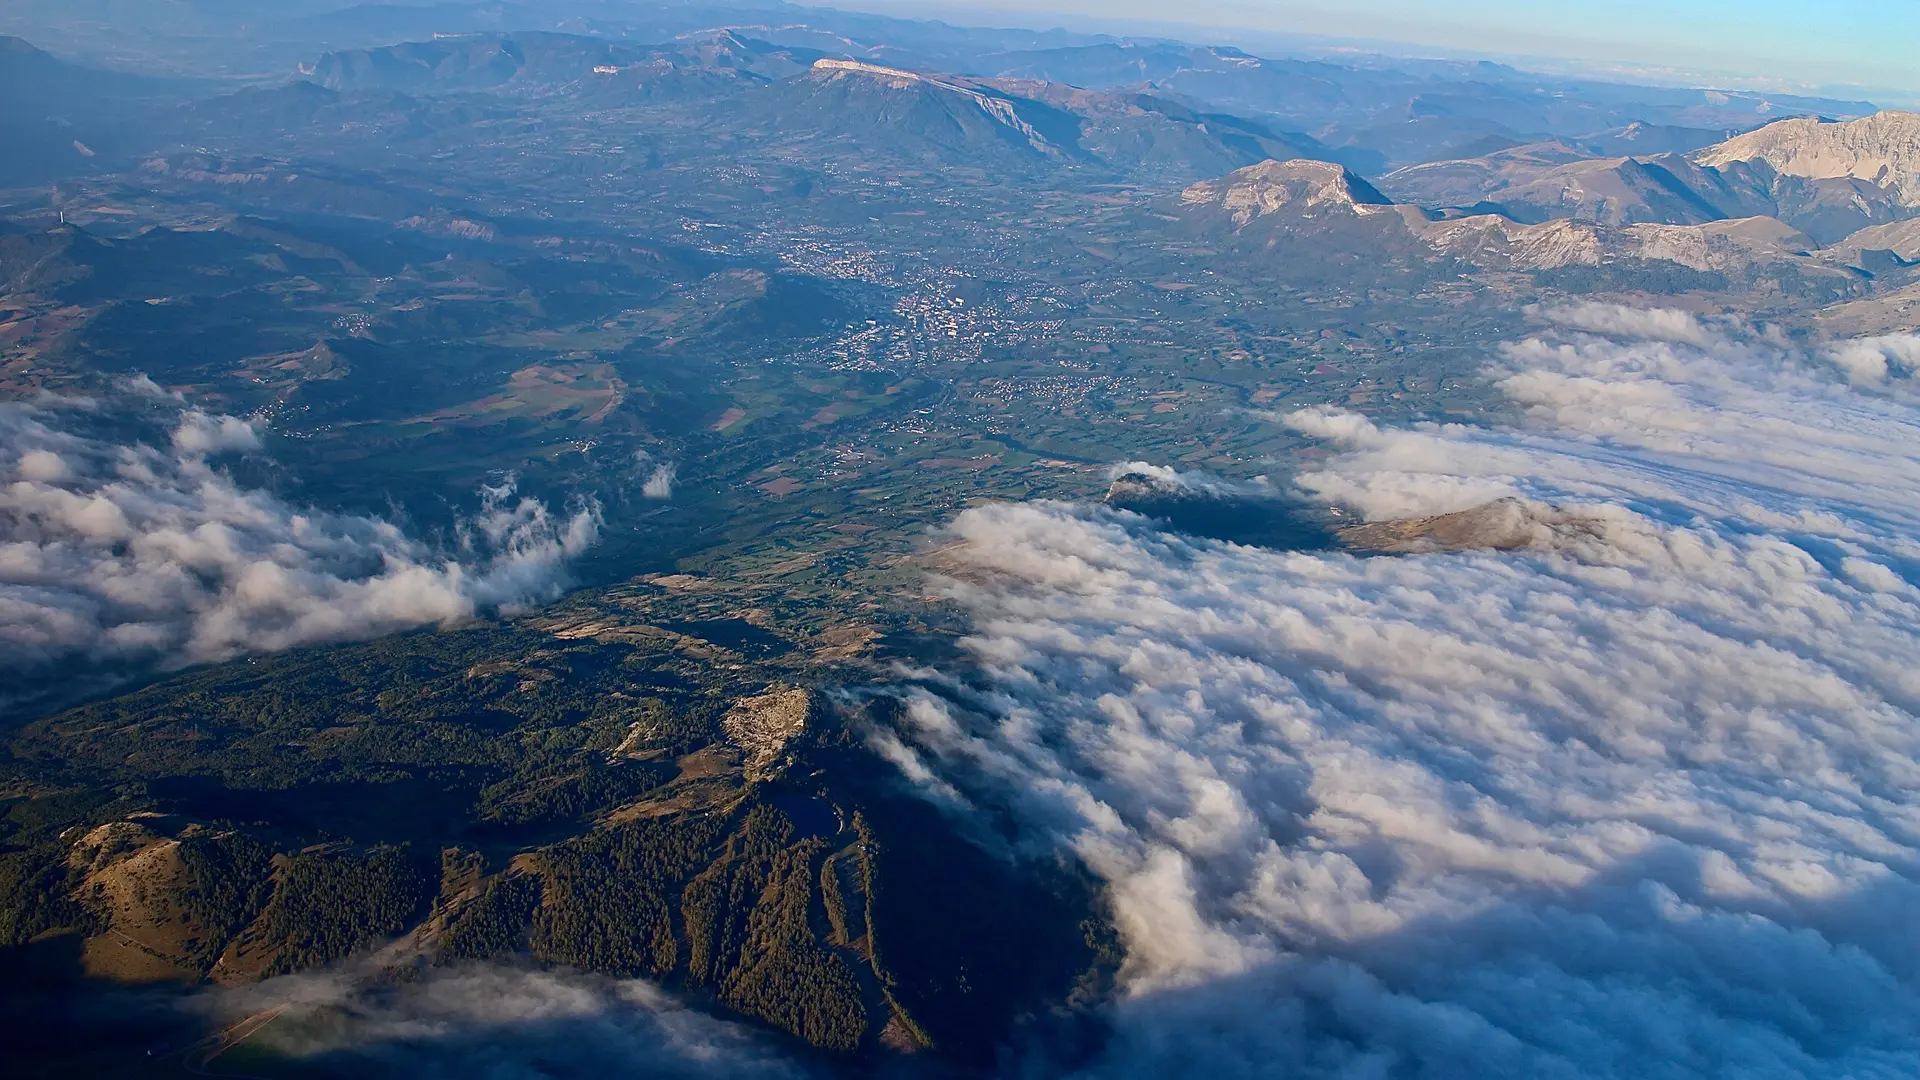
column 200, row 434
column 1647, row 808
column 1871, row 360
column 501, row 1023
column 143, row 551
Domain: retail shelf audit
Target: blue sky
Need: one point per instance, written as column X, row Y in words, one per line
column 1786, row 43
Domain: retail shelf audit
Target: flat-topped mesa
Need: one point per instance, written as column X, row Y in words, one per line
column 1882, row 149
column 1271, row 186
column 999, row 108
column 856, row 67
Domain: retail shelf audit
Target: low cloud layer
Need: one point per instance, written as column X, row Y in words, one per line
column 139, row 550
column 1645, row 805
column 499, row 1023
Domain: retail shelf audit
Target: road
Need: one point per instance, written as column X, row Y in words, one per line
column 201, row 1054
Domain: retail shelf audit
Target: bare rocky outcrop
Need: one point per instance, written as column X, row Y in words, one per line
column 1305, row 187
column 1501, row 525
column 762, row 726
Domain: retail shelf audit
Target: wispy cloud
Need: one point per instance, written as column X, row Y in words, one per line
column 497, row 1022
column 1647, row 806
column 659, row 483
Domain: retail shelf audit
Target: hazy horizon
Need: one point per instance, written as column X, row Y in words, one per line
column 1855, row 46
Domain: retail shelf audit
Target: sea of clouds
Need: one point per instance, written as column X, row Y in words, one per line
column 1641, row 799
column 125, row 545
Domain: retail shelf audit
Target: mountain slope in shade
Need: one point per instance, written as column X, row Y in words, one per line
column 473, row 62
column 910, row 116
column 603, row 73
column 697, row 69
column 1224, row 76
column 956, row 121
column 1551, row 180
column 1640, row 139
column 60, row 119
column 1883, row 150
column 907, row 97
column 1158, row 134
column 1901, row 239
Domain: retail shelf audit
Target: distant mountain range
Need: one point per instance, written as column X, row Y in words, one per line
column 1369, row 118
column 1659, row 185
column 1616, row 162
column 1151, row 108
column 1384, row 117
column 1823, row 202
column 791, row 95
column 713, row 63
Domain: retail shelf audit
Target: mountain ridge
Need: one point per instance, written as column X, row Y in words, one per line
column 1298, row 197
column 1882, row 149
column 1828, row 180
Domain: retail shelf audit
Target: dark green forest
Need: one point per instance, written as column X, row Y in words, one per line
column 498, row 795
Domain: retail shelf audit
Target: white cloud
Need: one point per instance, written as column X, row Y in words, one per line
column 1618, row 320
column 43, row 466
column 1164, row 480
column 502, row 1023
column 1868, row 361
column 143, row 553
column 660, row 476
column 1643, row 807
column 144, row 386
column 199, row 433
column 659, row 483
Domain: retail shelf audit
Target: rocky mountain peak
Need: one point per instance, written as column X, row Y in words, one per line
column 1882, row 149
column 1271, row 186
